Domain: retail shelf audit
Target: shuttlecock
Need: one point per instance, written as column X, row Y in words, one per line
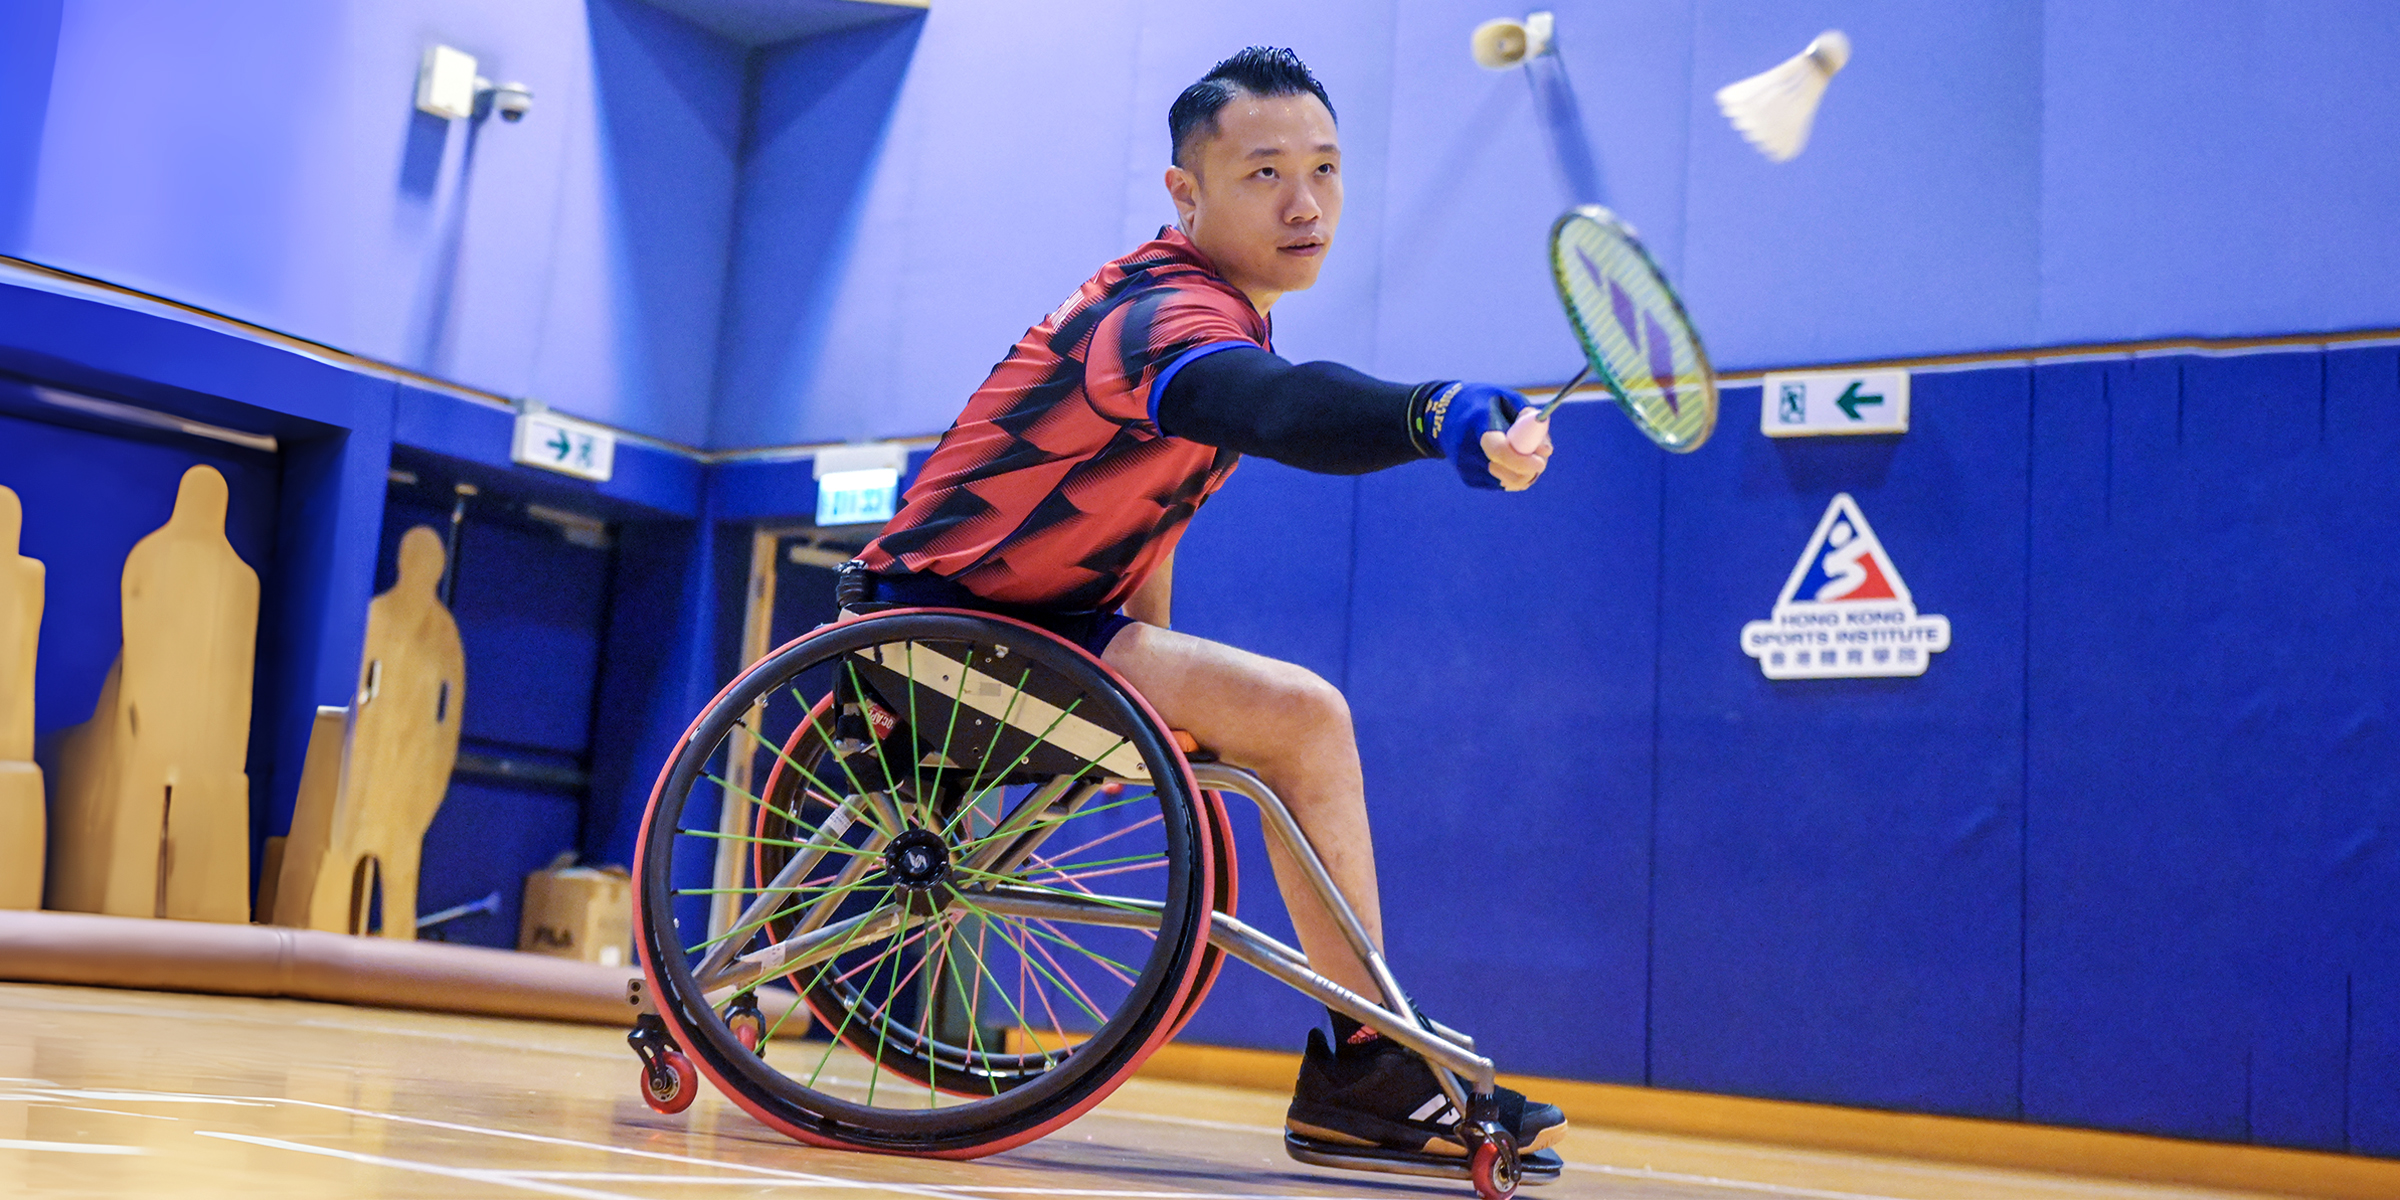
column 1774, row 110
column 1504, row 42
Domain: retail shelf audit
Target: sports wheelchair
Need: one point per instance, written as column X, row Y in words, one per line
column 993, row 876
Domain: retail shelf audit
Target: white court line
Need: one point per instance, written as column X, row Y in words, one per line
column 1275, row 1131
column 774, row 1173
column 153, row 1097
column 68, row 1147
column 398, row 1164
column 1737, row 1185
column 110, row 1112
column 1120, row 1195
column 752, row 1181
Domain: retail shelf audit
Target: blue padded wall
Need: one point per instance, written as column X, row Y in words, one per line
column 1837, row 871
column 2206, row 168
column 2210, row 873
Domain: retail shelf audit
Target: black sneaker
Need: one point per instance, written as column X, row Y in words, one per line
column 1383, row 1096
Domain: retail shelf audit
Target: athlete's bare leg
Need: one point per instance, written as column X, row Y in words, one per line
column 1293, row 729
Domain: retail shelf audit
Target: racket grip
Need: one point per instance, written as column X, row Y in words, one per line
column 1531, row 429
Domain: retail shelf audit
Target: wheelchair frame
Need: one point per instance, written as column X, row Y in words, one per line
column 1466, row 1077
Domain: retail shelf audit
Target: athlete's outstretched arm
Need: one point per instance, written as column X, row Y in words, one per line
column 1327, row 418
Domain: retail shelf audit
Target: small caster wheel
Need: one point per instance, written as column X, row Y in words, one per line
column 669, row 1085
column 1494, row 1168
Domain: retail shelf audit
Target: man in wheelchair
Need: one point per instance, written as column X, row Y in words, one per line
column 1060, row 492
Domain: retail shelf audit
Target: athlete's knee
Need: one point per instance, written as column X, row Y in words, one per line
column 1306, row 704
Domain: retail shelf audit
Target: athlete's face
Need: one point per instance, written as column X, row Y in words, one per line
column 1262, row 197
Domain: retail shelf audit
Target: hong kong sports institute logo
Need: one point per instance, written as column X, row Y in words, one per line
column 1844, row 613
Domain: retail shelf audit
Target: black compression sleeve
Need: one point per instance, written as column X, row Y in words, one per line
column 1316, row 416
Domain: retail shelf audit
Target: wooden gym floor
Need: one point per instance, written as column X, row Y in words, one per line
column 109, row 1093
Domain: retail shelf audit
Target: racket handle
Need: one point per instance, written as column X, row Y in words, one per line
column 1531, row 429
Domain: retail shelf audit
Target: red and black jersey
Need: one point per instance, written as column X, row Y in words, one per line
column 1055, row 488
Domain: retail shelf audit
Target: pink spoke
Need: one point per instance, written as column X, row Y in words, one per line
column 982, row 968
column 1064, row 976
column 844, row 977
column 1024, row 970
column 1063, row 855
column 912, row 971
column 941, row 951
column 1078, row 886
column 1122, row 977
column 1060, row 873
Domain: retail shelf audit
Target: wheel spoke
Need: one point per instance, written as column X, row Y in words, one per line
column 1144, row 823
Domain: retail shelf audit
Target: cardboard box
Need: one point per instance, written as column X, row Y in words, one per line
column 582, row 913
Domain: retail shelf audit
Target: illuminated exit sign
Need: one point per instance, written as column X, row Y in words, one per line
column 857, row 497
column 859, row 485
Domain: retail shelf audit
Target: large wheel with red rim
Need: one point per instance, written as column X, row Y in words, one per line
column 971, row 848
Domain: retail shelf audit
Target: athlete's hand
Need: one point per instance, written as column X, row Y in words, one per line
column 1516, row 470
column 1469, row 424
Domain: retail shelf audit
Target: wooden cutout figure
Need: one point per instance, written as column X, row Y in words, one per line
column 377, row 772
column 21, row 819
column 153, row 815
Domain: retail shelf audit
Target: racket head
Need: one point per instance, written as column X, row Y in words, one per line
column 1633, row 329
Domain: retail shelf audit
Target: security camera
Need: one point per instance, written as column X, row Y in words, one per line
column 512, row 101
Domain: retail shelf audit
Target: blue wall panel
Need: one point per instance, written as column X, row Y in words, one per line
column 530, row 608
column 1909, row 223
column 1502, row 669
column 793, row 367
column 2208, row 169
column 644, row 223
column 28, row 49
column 487, row 839
column 1471, row 190
column 1836, row 874
column 2210, row 768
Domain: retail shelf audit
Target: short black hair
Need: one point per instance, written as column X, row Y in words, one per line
column 1259, row 70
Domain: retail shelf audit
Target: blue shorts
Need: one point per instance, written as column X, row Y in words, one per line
column 1090, row 630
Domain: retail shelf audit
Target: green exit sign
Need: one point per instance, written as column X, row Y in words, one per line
column 858, row 497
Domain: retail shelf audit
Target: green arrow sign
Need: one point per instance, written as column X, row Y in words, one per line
column 562, row 445
column 1849, row 401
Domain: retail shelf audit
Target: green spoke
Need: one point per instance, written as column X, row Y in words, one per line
column 829, row 793
column 1057, row 939
column 1013, row 881
column 1061, row 868
column 832, row 848
column 1028, row 959
column 1000, row 989
column 843, row 759
column 1054, row 822
column 823, row 894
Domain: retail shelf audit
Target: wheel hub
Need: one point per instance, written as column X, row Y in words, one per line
column 918, row 860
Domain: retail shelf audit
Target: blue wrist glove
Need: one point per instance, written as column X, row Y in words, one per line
column 1451, row 419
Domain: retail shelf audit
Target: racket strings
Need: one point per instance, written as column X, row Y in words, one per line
column 1634, row 331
